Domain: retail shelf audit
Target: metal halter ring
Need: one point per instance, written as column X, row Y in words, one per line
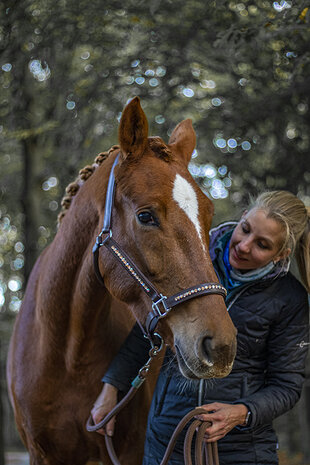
column 156, row 308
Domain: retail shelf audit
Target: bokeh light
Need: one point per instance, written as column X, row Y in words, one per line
column 153, row 82
column 280, row 6
column 140, row 80
column 211, row 178
column 14, row 284
column 188, row 92
column 216, row 102
column 70, row 105
column 220, row 143
column 160, row 119
column 232, row 143
column 50, row 183
column 6, row 67
column 39, row 72
column 135, row 63
column 246, row 145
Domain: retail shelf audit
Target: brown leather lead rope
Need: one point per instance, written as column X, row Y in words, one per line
column 91, row 427
column 202, row 449
column 208, row 450
column 198, row 426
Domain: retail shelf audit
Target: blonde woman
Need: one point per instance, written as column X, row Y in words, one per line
column 269, row 307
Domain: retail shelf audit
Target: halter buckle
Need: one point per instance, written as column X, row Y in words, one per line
column 99, row 241
column 156, row 308
column 105, row 231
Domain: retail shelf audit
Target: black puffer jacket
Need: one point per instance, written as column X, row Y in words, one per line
column 271, row 316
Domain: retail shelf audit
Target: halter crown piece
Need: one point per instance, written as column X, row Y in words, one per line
column 161, row 305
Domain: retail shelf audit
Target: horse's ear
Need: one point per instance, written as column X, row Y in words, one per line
column 183, row 140
column 133, row 129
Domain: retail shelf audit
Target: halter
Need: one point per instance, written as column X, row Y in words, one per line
column 161, row 305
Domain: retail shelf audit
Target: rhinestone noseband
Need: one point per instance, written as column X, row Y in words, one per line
column 161, row 305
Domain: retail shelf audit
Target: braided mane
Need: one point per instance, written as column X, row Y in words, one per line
column 157, row 145
column 84, row 174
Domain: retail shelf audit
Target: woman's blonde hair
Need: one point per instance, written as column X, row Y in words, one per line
column 291, row 212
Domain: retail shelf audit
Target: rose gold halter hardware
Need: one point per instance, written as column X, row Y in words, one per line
column 161, row 305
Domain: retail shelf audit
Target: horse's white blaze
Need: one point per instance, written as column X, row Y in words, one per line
column 186, row 198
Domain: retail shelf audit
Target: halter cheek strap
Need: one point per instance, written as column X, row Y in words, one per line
column 161, row 305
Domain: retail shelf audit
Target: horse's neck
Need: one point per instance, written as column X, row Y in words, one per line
column 69, row 295
column 77, row 317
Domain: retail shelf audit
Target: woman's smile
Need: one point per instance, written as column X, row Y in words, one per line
column 236, row 255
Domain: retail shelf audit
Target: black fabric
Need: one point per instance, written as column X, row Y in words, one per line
column 267, row 375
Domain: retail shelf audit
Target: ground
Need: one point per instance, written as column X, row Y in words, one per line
column 16, row 458
column 21, row 458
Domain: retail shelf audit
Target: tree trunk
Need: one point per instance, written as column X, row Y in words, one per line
column 2, row 459
column 28, row 201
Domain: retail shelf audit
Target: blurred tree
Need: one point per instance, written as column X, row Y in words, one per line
column 2, row 460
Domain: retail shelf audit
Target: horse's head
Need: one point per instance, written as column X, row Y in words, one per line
column 162, row 219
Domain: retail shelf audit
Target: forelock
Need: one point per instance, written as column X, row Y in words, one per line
column 160, row 149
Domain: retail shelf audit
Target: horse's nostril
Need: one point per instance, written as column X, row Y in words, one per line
column 207, row 350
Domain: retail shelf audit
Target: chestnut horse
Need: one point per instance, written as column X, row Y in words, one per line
column 70, row 326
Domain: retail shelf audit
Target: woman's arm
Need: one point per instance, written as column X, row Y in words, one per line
column 287, row 351
column 286, row 356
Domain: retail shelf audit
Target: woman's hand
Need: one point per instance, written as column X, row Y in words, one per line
column 104, row 403
column 224, row 417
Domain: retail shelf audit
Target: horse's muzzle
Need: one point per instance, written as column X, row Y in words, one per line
column 209, row 359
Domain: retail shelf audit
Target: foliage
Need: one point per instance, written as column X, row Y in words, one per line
column 286, row 459
column 239, row 70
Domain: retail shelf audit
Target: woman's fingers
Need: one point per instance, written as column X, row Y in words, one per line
column 98, row 414
column 214, row 433
column 215, row 430
column 214, row 439
column 223, row 417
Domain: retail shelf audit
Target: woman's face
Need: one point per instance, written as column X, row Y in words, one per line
column 256, row 241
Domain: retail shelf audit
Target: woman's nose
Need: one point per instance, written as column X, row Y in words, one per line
column 244, row 246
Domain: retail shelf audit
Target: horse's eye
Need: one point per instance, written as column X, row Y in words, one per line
column 147, row 218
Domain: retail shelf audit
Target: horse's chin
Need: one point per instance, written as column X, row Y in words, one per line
column 198, row 370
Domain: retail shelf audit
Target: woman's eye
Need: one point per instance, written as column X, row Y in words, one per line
column 262, row 246
column 147, row 218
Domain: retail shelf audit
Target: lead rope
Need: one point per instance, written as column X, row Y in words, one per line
column 202, row 449
column 209, row 450
column 199, row 427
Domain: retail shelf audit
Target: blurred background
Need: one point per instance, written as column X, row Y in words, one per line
column 241, row 71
